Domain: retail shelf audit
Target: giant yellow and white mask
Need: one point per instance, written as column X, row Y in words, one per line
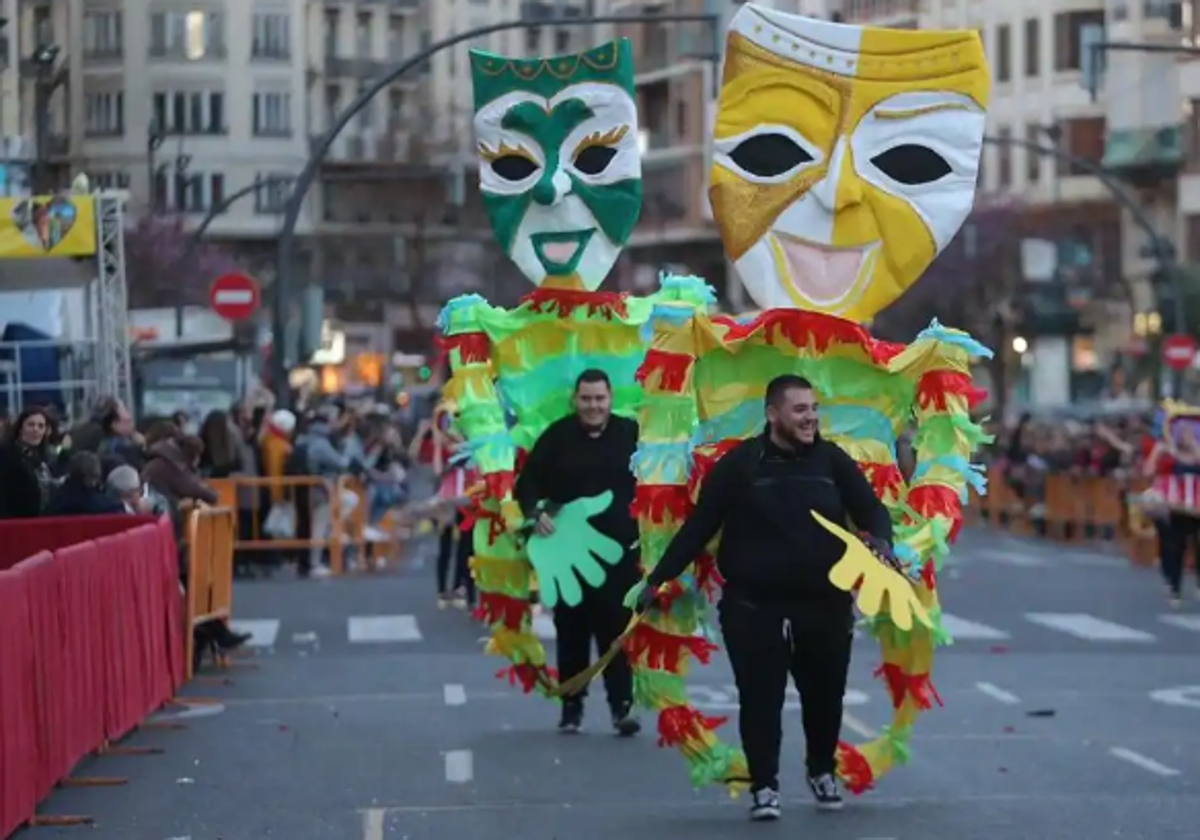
column 844, row 157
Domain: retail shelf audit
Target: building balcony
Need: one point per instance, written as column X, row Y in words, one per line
column 355, row 68
column 1145, row 154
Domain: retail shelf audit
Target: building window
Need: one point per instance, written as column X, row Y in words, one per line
column 1081, row 138
column 190, row 112
column 1033, row 48
column 272, row 116
column 109, row 180
column 193, row 36
column 396, row 108
column 189, row 192
column 1004, row 173
column 104, row 114
column 272, row 197
column 272, row 36
column 1003, row 53
column 1033, row 160
column 103, row 35
column 1068, row 37
column 362, row 35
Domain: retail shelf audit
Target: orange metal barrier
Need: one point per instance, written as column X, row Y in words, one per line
column 1070, row 509
column 209, row 595
column 333, row 526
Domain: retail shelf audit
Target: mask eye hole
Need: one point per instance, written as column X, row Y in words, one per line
column 912, row 164
column 769, row 155
column 594, row 159
column 514, row 167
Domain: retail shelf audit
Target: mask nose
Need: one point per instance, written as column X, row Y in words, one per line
column 841, row 188
column 552, row 188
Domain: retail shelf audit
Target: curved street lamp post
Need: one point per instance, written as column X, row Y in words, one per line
column 282, row 290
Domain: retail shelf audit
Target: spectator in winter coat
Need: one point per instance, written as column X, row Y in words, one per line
column 171, row 470
column 83, row 492
column 25, row 479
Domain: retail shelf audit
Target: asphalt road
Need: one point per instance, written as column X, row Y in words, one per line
column 373, row 715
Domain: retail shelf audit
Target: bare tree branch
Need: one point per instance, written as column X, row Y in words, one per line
column 158, row 269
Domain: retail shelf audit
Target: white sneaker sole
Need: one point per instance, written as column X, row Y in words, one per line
column 766, row 815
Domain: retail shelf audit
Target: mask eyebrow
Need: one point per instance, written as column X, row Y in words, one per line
column 912, row 113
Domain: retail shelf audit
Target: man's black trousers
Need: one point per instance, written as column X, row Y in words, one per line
column 765, row 643
column 600, row 617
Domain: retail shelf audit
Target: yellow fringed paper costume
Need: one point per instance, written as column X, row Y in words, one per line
column 560, row 176
column 845, row 160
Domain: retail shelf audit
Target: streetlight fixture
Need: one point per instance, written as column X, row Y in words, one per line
column 1020, row 345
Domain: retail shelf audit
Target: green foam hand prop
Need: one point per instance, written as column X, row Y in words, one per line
column 574, row 547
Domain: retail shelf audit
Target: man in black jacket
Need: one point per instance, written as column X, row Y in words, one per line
column 779, row 613
column 586, row 454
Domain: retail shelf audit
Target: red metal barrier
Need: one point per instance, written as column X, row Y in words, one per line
column 91, row 642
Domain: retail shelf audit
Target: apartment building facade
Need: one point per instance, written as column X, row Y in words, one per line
column 185, row 102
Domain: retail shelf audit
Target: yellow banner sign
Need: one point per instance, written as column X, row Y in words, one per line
column 47, row 226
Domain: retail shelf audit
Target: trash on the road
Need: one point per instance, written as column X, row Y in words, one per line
column 1010, row 729
column 998, row 649
column 1041, row 713
column 185, row 781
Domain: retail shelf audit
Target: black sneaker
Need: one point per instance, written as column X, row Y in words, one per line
column 624, row 721
column 825, row 790
column 572, row 718
column 764, row 805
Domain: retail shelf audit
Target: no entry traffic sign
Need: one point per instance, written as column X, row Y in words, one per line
column 235, row 297
column 1178, row 351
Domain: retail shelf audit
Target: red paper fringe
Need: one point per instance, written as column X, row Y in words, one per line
column 853, row 769
column 708, row 577
column 472, row 347
column 902, row 685
column 886, row 479
column 929, row 575
column 704, row 458
column 527, row 676
column 499, row 484
column 672, row 369
column 661, row 651
column 657, row 502
column 495, row 522
column 936, row 385
column 680, row 724
column 802, row 328
column 564, row 302
column 521, row 457
column 930, row 500
column 495, row 608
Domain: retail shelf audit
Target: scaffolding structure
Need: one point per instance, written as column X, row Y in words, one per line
column 108, row 299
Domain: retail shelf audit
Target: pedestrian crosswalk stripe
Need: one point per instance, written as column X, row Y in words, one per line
column 367, row 629
column 1183, row 622
column 1089, row 628
column 263, row 632
column 961, row 629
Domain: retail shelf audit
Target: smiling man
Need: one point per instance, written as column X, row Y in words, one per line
column 560, row 171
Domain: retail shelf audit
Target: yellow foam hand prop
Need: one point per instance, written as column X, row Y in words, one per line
column 880, row 589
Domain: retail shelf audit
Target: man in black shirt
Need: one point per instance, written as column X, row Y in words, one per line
column 779, row 613
column 583, row 455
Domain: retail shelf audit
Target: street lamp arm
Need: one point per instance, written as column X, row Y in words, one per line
column 308, row 175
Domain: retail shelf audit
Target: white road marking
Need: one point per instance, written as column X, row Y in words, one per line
column 857, row 726
column 543, row 627
column 1139, row 760
column 367, row 629
column 308, row 638
column 1089, row 628
column 1009, row 557
column 460, row 766
column 1183, row 622
column 455, row 695
column 263, row 631
column 960, row 629
column 1186, row 696
column 725, row 697
column 998, row 694
column 373, row 823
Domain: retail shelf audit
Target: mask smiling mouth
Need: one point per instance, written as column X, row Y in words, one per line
column 822, row 274
column 560, row 253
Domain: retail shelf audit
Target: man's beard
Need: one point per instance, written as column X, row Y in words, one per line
column 796, row 437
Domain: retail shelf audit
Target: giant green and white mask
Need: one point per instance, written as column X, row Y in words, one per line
column 560, row 170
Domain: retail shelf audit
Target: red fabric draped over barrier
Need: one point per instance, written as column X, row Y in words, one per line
column 91, row 642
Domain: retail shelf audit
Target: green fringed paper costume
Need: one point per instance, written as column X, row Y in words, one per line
column 560, row 175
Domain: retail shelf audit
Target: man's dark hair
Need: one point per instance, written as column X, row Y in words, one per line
column 780, row 385
column 591, row 376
